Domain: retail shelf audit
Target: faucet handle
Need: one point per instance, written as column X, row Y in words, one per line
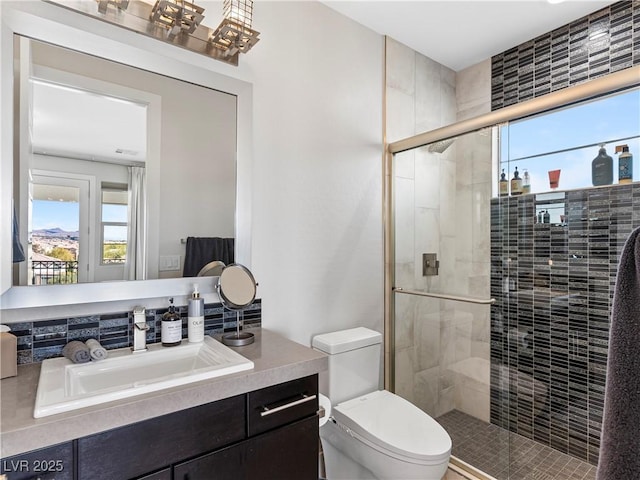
column 142, row 325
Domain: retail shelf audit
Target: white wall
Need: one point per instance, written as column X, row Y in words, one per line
column 317, row 229
column 317, row 210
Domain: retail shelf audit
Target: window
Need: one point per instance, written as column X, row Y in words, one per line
column 567, row 140
column 114, row 207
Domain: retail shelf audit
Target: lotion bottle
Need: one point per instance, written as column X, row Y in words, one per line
column 625, row 164
column 195, row 317
column 526, row 182
column 171, row 334
column 504, row 185
column 516, row 183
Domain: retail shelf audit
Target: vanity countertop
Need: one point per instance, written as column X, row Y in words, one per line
column 276, row 360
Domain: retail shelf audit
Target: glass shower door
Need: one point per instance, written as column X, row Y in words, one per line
column 441, row 299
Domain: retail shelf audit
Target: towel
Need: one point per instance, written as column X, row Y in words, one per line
column 619, row 444
column 202, row 250
column 97, row 351
column 77, row 352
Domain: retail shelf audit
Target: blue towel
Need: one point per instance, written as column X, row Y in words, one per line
column 18, row 251
column 620, row 438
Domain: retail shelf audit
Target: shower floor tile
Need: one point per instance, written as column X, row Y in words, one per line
column 509, row 456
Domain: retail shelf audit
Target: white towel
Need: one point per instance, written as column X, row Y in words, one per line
column 97, row 351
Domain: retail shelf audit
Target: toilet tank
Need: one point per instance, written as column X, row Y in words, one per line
column 354, row 362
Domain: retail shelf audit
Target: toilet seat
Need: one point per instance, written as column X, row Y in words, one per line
column 395, row 427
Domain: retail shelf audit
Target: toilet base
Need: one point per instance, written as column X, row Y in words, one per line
column 338, row 466
column 345, row 458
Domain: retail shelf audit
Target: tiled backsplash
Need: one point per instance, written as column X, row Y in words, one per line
column 553, row 284
column 593, row 46
column 40, row 340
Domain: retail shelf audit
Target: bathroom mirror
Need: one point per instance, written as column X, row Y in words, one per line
column 237, row 290
column 84, row 119
column 236, row 287
column 79, row 35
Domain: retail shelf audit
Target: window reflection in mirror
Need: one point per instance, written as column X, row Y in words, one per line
column 96, row 120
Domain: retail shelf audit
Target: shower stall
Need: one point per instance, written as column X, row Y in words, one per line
column 497, row 315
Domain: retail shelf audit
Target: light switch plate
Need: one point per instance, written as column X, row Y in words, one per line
column 169, row 263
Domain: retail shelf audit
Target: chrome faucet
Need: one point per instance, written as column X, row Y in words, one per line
column 140, row 328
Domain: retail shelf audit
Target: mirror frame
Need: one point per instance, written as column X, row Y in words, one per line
column 54, row 24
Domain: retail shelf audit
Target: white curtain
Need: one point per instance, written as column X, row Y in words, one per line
column 136, row 265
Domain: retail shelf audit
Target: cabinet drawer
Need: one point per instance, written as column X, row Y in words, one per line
column 280, row 404
column 143, row 447
column 287, row 453
column 227, row 464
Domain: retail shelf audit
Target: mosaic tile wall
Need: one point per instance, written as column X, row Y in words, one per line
column 40, row 340
column 604, row 42
column 553, row 284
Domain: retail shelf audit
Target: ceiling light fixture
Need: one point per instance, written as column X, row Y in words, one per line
column 177, row 16
column 234, row 34
column 179, row 22
column 119, row 4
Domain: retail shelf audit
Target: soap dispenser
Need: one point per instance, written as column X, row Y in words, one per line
column 602, row 168
column 195, row 317
column 171, row 334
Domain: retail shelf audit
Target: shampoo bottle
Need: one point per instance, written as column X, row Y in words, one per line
column 602, row 168
column 625, row 164
column 516, row 183
column 503, row 185
column 195, row 317
column 171, row 334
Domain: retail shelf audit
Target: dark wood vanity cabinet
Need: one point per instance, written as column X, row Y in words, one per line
column 281, row 444
column 269, row 434
column 140, row 448
column 51, row 463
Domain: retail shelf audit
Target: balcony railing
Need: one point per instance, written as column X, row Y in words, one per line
column 51, row 272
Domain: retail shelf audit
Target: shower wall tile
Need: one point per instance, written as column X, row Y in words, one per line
column 593, row 46
column 401, row 67
column 401, row 120
column 427, row 176
column 404, row 220
column 40, row 340
column 554, row 286
column 433, row 195
column 473, row 92
column 428, row 94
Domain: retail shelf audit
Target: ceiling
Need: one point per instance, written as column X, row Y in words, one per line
column 76, row 123
column 459, row 33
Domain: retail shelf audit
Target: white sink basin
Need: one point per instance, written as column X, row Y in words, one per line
column 65, row 386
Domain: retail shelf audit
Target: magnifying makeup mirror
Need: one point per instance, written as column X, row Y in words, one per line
column 237, row 290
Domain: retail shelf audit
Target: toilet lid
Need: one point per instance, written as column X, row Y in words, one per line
column 392, row 423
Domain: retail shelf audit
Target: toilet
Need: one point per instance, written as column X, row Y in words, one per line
column 372, row 433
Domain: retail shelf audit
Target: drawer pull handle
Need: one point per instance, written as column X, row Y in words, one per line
column 268, row 411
